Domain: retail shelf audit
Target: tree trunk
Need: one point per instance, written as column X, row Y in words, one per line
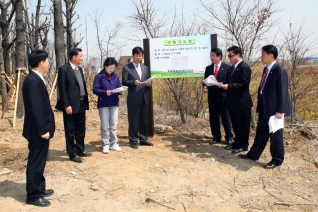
column 60, row 55
column 20, row 51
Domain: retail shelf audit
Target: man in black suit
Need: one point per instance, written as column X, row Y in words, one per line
column 273, row 100
column 238, row 99
column 38, row 127
column 137, row 100
column 74, row 103
column 216, row 97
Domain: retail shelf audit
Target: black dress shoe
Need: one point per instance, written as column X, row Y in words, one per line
column 229, row 142
column 240, row 149
column 85, row 154
column 228, row 147
column 39, row 202
column 133, row 145
column 245, row 156
column 272, row 164
column 146, row 143
column 47, row 193
column 214, row 142
column 76, row 159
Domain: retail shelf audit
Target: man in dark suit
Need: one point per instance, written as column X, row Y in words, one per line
column 137, row 100
column 238, row 99
column 74, row 103
column 273, row 100
column 38, row 127
column 216, row 97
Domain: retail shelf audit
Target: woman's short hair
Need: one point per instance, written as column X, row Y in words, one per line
column 110, row 61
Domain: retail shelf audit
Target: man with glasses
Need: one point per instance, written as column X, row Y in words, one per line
column 238, row 99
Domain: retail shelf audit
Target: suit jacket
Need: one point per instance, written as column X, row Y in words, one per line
column 275, row 96
column 215, row 93
column 136, row 93
column 69, row 89
column 39, row 117
column 238, row 96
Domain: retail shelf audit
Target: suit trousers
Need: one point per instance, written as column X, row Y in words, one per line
column 35, row 181
column 262, row 134
column 74, row 127
column 216, row 109
column 241, row 127
column 109, row 120
column 138, row 122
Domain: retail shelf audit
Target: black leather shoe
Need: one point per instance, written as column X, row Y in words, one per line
column 245, row 156
column 228, row 147
column 39, row 202
column 146, row 143
column 47, row 193
column 133, row 145
column 240, row 149
column 272, row 164
column 76, row 159
column 229, row 142
column 214, row 142
column 85, row 154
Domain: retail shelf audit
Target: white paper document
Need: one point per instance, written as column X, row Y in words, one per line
column 210, row 80
column 148, row 80
column 275, row 124
column 117, row 90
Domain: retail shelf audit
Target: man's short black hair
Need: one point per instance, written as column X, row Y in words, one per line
column 270, row 49
column 236, row 50
column 36, row 57
column 110, row 61
column 218, row 52
column 74, row 52
column 137, row 50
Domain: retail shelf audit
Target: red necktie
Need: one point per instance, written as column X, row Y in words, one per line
column 263, row 82
column 233, row 68
column 216, row 71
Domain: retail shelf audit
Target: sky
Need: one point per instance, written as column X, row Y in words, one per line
column 298, row 12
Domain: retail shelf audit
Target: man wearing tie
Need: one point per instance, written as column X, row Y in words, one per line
column 238, row 99
column 216, row 98
column 273, row 100
column 74, row 103
column 38, row 127
column 137, row 100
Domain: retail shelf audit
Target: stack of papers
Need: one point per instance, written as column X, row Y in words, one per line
column 117, row 90
column 275, row 124
column 210, row 80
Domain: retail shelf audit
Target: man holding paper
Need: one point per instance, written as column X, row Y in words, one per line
column 273, row 101
column 134, row 74
column 216, row 97
column 106, row 86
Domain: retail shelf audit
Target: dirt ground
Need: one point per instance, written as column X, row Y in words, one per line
column 181, row 172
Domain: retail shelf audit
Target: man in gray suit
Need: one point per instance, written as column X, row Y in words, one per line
column 134, row 74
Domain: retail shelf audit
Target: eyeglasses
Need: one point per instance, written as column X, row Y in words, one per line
column 229, row 56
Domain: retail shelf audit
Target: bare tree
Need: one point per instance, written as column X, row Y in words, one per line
column 294, row 50
column 20, row 50
column 106, row 36
column 37, row 30
column 244, row 22
column 69, row 14
column 60, row 55
column 7, row 14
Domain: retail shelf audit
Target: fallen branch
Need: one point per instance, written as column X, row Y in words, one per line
column 290, row 204
column 151, row 200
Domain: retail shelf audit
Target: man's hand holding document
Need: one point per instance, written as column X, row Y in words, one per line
column 210, row 80
column 148, row 80
column 120, row 89
column 275, row 124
